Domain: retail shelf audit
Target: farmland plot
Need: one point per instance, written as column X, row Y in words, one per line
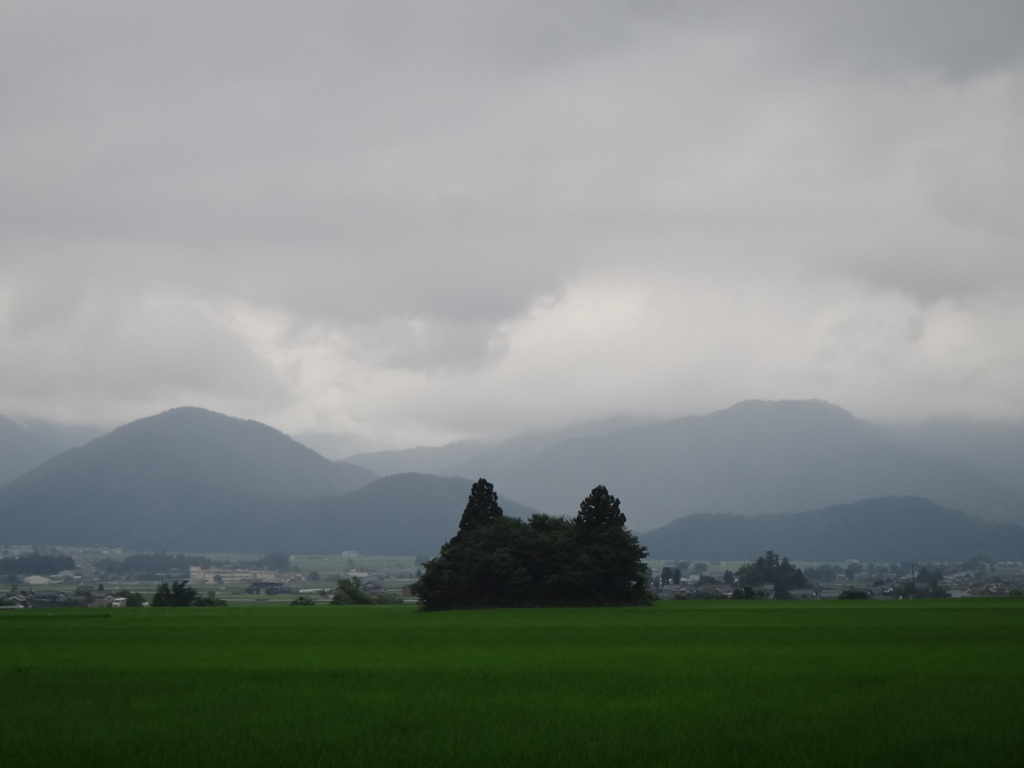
column 913, row 683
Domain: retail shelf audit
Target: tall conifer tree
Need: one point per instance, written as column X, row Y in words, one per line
column 481, row 508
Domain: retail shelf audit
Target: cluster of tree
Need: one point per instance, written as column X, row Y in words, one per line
column 180, row 595
column 886, row 572
column 497, row 561
column 931, row 578
column 829, row 572
column 350, row 591
column 670, row 575
column 823, row 572
column 673, row 575
column 927, row 574
column 34, row 563
column 932, row 571
column 151, row 566
column 854, row 594
column 768, row 569
column 132, row 599
column 977, row 563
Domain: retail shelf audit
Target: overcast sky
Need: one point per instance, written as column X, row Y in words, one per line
column 411, row 222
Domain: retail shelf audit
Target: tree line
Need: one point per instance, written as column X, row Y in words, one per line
column 179, row 595
column 34, row 563
column 495, row 561
column 150, row 565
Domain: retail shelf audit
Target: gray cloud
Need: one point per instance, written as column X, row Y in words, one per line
column 410, row 222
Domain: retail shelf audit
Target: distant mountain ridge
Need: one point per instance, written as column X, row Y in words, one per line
column 753, row 458
column 146, row 482
column 409, row 513
column 883, row 530
column 473, row 459
column 196, row 480
column 20, row 450
column 993, row 449
column 190, row 479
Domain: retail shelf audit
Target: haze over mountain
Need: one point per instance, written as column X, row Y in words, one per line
column 58, row 436
column 407, row 513
column 149, row 481
column 192, row 479
column 20, row 450
column 472, row 459
column 995, row 449
column 883, row 530
column 753, row 458
column 28, row 442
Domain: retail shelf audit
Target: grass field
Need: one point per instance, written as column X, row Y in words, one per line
column 922, row 683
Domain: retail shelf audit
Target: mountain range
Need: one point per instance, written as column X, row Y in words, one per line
column 468, row 458
column 881, row 530
column 409, row 513
column 751, row 459
column 194, row 480
column 182, row 477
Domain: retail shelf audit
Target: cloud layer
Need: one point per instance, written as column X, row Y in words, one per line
column 416, row 222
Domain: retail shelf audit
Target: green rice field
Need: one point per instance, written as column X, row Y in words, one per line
column 914, row 683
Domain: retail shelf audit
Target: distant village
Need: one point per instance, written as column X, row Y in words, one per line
column 91, row 587
column 87, row 587
column 71, row 589
column 999, row 580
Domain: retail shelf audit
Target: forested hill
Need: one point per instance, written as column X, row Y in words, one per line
column 194, row 480
column 185, row 470
column 474, row 459
column 889, row 529
column 753, row 458
column 409, row 513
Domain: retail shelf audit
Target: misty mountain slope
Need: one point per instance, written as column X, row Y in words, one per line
column 424, row 459
column 20, row 450
column 994, row 449
column 409, row 513
column 753, row 458
column 159, row 478
column 59, row 437
column 239, row 453
column 474, row 459
column 520, row 448
column 885, row 530
column 397, row 514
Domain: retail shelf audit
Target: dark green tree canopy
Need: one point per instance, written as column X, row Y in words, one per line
column 350, row 592
column 145, row 566
column 481, row 508
column 180, row 595
column 600, row 510
column 31, row 563
column 767, row 569
column 496, row 561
